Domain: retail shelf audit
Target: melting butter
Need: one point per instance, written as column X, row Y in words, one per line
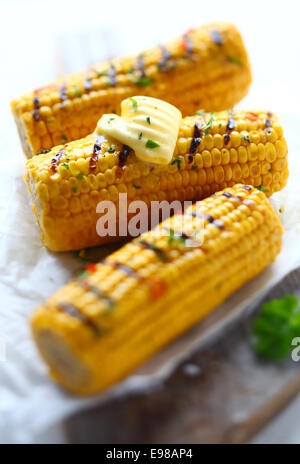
column 147, row 125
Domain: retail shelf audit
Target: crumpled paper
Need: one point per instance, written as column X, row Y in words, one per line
column 29, row 402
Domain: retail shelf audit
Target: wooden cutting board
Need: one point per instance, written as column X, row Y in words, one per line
column 222, row 394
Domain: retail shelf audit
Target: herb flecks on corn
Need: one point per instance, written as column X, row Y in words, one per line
column 192, row 72
column 94, row 169
column 100, row 327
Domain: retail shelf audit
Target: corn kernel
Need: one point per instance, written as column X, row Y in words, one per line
column 207, row 161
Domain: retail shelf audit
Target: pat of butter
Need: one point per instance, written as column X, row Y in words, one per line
column 147, row 125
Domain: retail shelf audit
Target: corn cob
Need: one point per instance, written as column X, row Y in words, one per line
column 101, row 326
column 213, row 151
column 206, row 68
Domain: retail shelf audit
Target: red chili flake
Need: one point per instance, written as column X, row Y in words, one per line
column 252, row 116
column 187, row 44
column 95, row 156
column 158, row 287
column 91, row 267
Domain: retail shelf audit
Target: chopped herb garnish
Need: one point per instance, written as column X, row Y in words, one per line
column 136, row 186
column 142, row 81
column 82, row 274
column 194, row 166
column 152, row 144
column 98, row 73
column 200, row 113
column 281, row 209
column 80, row 176
column 235, row 60
column 134, row 104
column 43, row 152
column 111, row 150
column 262, row 189
column 76, row 92
column 110, row 120
column 275, row 328
column 246, row 138
column 177, row 161
column 140, row 135
column 64, row 138
column 65, row 165
column 209, row 124
column 74, row 188
column 148, row 120
column 175, row 238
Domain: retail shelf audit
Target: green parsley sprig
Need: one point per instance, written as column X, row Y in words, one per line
column 275, row 328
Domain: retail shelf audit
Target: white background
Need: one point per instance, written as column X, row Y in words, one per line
column 40, row 40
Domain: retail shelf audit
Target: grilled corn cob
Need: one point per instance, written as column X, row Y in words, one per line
column 101, row 326
column 206, row 68
column 213, row 151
